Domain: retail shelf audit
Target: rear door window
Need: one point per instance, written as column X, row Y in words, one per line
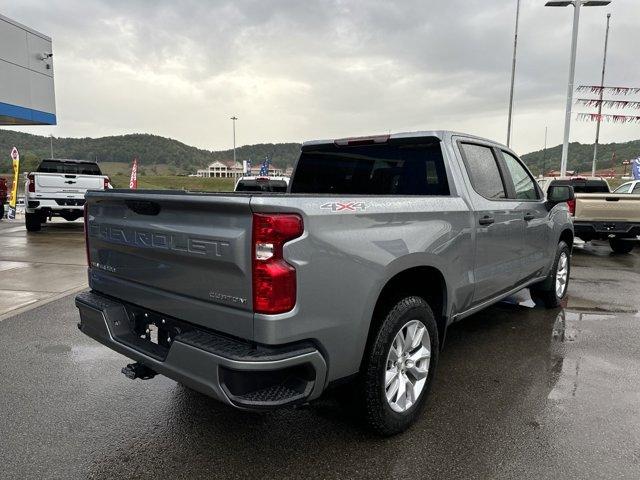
column 372, row 170
column 524, row 185
column 483, row 170
column 636, row 189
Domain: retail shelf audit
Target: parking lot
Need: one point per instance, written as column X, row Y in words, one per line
column 520, row 392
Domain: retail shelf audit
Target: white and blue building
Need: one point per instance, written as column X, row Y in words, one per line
column 27, row 95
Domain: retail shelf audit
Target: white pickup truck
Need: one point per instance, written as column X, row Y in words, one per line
column 57, row 189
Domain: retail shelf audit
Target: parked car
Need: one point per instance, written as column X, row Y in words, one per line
column 262, row 184
column 4, row 195
column 57, row 188
column 601, row 215
column 264, row 300
column 629, row 187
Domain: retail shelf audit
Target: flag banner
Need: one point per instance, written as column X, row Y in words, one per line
column 13, row 198
column 613, row 90
column 264, row 168
column 594, row 117
column 133, row 182
column 636, row 169
column 588, row 102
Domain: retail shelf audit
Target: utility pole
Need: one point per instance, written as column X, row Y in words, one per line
column 513, row 75
column 51, row 142
column 604, row 66
column 572, row 67
column 234, row 118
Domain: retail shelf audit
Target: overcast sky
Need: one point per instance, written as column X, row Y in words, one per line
column 294, row 70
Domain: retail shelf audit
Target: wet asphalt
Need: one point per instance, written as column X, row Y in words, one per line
column 519, row 393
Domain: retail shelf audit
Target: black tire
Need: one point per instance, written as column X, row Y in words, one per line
column 378, row 413
column 32, row 222
column 1, row 210
column 546, row 290
column 619, row 245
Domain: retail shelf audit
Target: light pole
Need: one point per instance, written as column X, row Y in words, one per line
column 604, row 66
column 572, row 68
column 544, row 152
column 51, row 142
column 234, row 118
column 513, row 75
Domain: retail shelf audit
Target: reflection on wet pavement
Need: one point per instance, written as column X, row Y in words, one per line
column 520, row 392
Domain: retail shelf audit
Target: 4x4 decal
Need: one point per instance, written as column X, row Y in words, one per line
column 344, row 206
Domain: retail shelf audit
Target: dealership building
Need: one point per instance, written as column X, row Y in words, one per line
column 27, row 94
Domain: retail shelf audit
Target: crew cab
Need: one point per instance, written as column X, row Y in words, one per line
column 57, row 188
column 599, row 214
column 263, row 300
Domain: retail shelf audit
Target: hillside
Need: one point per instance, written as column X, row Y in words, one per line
column 165, row 156
column 581, row 156
column 152, row 150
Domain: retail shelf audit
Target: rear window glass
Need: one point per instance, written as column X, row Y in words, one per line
column 372, row 170
column 261, row 186
column 584, row 186
column 52, row 166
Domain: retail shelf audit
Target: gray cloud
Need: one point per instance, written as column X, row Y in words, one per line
column 296, row 70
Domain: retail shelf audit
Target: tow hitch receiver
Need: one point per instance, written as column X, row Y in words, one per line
column 138, row 370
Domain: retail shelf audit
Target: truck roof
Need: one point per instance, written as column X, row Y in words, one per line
column 437, row 135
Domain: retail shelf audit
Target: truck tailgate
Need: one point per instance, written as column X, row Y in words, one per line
column 67, row 183
column 183, row 254
column 607, row 206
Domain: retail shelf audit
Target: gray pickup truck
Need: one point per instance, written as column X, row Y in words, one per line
column 353, row 275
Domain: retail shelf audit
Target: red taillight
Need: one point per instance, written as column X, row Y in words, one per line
column 86, row 233
column 572, row 207
column 31, row 187
column 274, row 280
column 107, row 181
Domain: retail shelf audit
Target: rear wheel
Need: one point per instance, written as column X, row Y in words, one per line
column 619, row 245
column 32, row 221
column 554, row 288
column 398, row 373
column 1, row 210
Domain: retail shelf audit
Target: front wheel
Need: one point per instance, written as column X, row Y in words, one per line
column 399, row 369
column 619, row 245
column 554, row 288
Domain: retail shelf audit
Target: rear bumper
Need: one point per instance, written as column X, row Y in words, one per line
column 604, row 230
column 238, row 373
column 54, row 204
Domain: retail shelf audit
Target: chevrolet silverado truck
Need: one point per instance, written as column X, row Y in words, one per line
column 57, row 188
column 599, row 214
column 263, row 300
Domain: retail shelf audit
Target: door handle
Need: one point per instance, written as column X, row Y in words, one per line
column 529, row 216
column 486, row 220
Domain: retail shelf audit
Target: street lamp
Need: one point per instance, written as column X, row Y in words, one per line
column 572, row 67
column 513, row 75
column 234, row 118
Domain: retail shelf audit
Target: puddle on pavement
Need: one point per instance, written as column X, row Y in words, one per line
column 56, row 349
column 88, row 353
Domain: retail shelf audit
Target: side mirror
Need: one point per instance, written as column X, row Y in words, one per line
column 559, row 194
